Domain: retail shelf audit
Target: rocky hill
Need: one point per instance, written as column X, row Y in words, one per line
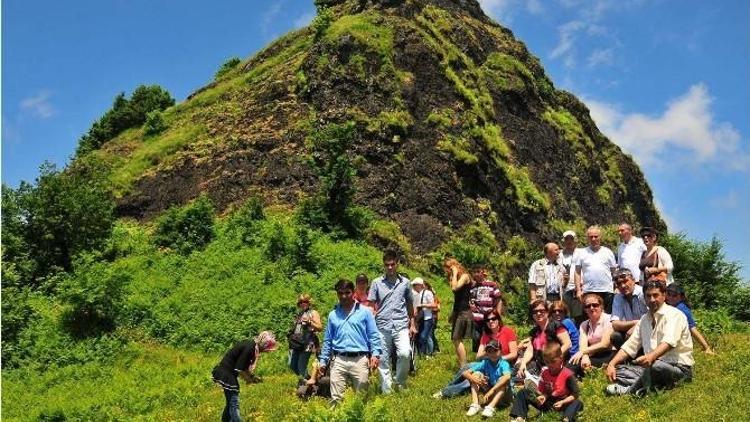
column 454, row 120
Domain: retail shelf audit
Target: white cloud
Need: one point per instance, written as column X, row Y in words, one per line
column 270, row 14
column 728, row 201
column 39, row 105
column 568, row 33
column 601, row 56
column 534, row 7
column 304, row 19
column 685, row 129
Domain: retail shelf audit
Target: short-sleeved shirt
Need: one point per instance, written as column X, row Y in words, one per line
column 493, row 371
column 594, row 333
column 629, row 255
column 503, row 337
column 596, row 269
column 425, row 297
column 633, row 310
column 568, row 260
column 393, row 299
column 558, row 386
column 688, row 314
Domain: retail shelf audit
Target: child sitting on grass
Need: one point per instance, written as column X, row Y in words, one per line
column 558, row 389
column 490, row 376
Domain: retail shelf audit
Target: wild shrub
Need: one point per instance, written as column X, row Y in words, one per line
column 331, row 209
column 227, row 66
column 188, row 228
column 154, row 124
column 322, row 20
column 301, row 252
column 94, row 297
column 276, row 244
column 243, row 223
column 710, row 280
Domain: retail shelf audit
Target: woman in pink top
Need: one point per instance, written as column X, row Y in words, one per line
column 595, row 347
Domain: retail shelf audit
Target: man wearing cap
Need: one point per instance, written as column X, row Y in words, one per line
column 628, row 306
column 664, row 335
column 424, row 301
column 629, row 250
column 351, row 343
column 568, row 257
column 594, row 268
column 546, row 275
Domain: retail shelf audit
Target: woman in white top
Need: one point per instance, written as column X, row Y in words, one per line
column 656, row 262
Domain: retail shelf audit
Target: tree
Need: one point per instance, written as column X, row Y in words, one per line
column 123, row 115
column 188, row 228
column 54, row 220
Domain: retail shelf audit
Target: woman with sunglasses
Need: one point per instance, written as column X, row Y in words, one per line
column 504, row 335
column 303, row 341
column 544, row 330
column 596, row 348
column 559, row 312
column 656, row 262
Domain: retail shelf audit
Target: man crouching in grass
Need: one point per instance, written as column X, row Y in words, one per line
column 490, row 376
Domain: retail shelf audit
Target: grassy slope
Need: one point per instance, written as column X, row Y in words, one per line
column 154, row 382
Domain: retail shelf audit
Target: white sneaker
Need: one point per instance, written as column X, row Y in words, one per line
column 617, row 389
column 517, row 419
column 438, row 395
column 488, row 412
column 473, row 410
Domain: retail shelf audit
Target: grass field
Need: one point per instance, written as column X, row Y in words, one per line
column 148, row 381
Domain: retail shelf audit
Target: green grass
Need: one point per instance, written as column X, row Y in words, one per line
column 366, row 29
column 149, row 381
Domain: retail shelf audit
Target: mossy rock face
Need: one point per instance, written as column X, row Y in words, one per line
column 451, row 112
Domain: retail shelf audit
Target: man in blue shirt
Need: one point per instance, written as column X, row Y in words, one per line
column 391, row 296
column 351, row 341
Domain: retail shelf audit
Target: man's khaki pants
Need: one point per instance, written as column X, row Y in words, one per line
column 354, row 370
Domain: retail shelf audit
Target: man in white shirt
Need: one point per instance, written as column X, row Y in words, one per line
column 568, row 257
column 667, row 348
column 594, row 268
column 630, row 250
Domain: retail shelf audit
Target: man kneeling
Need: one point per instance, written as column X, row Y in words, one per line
column 667, row 346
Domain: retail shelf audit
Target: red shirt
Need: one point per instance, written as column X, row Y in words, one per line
column 558, row 386
column 504, row 337
column 362, row 299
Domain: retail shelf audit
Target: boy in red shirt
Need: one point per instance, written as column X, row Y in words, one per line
column 558, row 389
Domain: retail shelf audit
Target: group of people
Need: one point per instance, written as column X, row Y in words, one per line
column 589, row 307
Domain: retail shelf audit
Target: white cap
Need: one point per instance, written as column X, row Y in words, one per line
column 569, row 233
column 417, row 280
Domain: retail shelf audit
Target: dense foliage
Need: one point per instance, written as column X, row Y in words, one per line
column 125, row 114
column 187, row 228
column 227, row 66
column 47, row 224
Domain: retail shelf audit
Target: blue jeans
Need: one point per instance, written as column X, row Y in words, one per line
column 232, row 409
column 458, row 386
column 426, row 346
column 298, row 362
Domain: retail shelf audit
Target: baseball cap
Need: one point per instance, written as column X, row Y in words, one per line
column 492, row 345
column 569, row 233
column 417, row 280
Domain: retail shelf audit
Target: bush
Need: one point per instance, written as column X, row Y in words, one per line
column 154, row 123
column 276, row 246
column 227, row 66
column 243, row 222
column 124, row 114
column 301, row 253
column 709, row 279
column 94, row 297
column 188, row 228
column 322, row 21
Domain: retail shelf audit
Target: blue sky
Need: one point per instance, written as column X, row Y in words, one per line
column 665, row 79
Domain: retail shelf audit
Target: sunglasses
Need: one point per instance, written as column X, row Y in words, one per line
column 591, row 305
column 539, row 311
column 493, row 319
column 558, row 311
